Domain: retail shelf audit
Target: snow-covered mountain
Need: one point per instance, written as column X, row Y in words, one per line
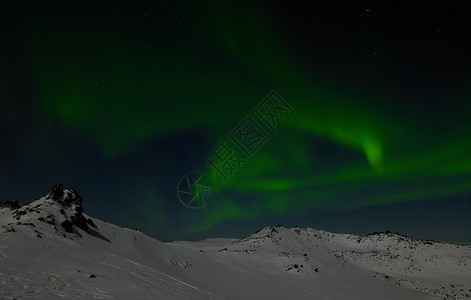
column 50, row 249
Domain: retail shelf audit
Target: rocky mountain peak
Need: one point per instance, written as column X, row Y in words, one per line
column 70, row 200
column 64, row 196
column 61, row 208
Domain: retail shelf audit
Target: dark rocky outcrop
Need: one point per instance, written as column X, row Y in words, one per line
column 67, row 225
column 10, row 204
column 71, row 203
column 66, row 197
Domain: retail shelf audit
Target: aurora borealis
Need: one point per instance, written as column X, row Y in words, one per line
column 121, row 101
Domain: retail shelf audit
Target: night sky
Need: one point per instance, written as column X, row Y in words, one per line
column 121, row 100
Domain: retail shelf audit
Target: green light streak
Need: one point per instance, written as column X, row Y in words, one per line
column 120, row 100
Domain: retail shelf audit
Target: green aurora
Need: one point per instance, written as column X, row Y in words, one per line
column 119, row 91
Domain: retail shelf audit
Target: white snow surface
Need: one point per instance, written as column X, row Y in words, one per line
column 39, row 259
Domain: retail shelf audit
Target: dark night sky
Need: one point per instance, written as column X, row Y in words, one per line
column 121, row 100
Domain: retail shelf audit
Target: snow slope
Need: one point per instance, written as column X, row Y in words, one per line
column 50, row 249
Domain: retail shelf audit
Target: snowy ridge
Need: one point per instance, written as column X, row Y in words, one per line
column 50, row 249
